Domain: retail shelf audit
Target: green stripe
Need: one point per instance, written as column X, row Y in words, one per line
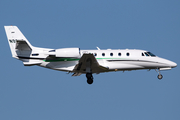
column 62, row 59
column 110, row 58
column 74, row 59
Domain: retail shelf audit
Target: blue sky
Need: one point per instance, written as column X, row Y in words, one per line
column 38, row 93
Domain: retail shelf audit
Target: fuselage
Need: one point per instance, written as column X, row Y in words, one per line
column 114, row 60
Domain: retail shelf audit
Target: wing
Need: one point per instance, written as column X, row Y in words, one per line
column 88, row 64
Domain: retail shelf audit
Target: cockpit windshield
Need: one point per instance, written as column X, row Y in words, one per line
column 152, row 55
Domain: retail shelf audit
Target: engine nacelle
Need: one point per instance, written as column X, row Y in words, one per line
column 68, row 52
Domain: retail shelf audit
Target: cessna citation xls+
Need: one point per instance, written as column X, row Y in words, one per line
column 87, row 62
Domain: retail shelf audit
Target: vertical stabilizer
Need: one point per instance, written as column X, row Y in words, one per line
column 17, row 41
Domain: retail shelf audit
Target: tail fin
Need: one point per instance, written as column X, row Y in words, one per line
column 18, row 43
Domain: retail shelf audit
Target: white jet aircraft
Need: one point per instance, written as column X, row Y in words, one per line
column 74, row 60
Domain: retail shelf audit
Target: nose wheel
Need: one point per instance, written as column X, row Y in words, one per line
column 89, row 78
column 159, row 76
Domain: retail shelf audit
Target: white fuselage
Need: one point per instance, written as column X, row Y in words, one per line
column 114, row 60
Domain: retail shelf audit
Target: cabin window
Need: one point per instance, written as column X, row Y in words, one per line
column 95, row 54
column 111, row 54
column 127, row 54
column 119, row 54
column 103, row 54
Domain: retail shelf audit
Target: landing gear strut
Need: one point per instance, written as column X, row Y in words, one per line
column 89, row 78
column 159, row 76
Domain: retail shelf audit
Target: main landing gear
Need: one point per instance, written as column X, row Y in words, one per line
column 89, row 78
column 159, row 76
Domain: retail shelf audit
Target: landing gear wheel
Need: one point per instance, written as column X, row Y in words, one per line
column 88, row 75
column 89, row 81
column 89, row 78
column 159, row 76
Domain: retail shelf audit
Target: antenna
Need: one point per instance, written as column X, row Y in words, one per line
column 98, row 48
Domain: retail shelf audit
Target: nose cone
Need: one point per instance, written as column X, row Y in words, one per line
column 167, row 63
column 172, row 64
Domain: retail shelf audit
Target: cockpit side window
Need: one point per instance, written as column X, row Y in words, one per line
column 142, row 54
column 146, row 54
column 152, row 55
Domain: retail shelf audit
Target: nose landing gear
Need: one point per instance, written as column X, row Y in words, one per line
column 159, row 76
column 89, row 78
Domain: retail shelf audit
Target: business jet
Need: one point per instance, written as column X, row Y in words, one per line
column 89, row 62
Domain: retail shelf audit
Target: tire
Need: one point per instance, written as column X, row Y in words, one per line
column 89, row 81
column 160, row 77
column 88, row 75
